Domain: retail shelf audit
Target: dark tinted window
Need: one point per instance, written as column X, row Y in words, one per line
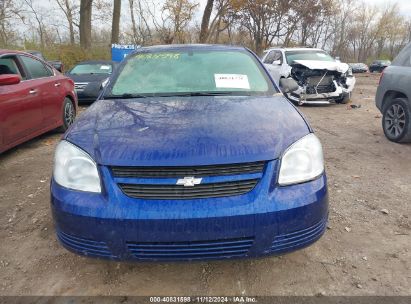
column 36, row 68
column 8, row 66
column 404, row 57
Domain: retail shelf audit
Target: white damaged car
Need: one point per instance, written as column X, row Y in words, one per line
column 321, row 79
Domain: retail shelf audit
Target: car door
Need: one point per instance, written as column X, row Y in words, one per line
column 48, row 89
column 20, row 105
column 273, row 62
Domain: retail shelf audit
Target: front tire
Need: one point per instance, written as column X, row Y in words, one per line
column 69, row 114
column 396, row 120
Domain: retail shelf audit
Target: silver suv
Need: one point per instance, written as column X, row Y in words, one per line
column 394, row 98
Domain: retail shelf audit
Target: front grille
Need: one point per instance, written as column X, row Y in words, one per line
column 215, row 249
column 321, row 89
column 195, row 171
column 300, row 238
column 320, row 85
column 84, row 246
column 320, row 80
column 166, row 191
column 80, row 85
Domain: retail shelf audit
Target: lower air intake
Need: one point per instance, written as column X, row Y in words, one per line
column 216, row 249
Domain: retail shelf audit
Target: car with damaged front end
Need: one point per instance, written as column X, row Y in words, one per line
column 321, row 78
column 191, row 153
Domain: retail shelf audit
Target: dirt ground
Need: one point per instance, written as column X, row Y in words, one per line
column 366, row 249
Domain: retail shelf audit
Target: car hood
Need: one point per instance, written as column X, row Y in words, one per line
column 324, row 65
column 88, row 77
column 178, row 131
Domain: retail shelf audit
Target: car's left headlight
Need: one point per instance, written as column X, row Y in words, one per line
column 75, row 169
column 302, row 161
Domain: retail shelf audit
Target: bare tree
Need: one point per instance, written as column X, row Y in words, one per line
column 115, row 27
column 38, row 19
column 225, row 18
column 140, row 27
column 133, row 20
column 206, row 20
column 9, row 13
column 70, row 8
column 85, row 23
column 265, row 20
column 175, row 17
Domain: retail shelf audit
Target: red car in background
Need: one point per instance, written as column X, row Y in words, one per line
column 34, row 98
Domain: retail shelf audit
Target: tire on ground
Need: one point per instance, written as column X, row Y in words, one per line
column 405, row 135
column 67, row 121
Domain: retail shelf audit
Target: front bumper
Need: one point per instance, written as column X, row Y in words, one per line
column 268, row 220
column 88, row 92
column 83, row 97
column 299, row 96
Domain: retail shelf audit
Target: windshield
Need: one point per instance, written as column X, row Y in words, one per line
column 194, row 71
column 307, row 55
column 92, row 68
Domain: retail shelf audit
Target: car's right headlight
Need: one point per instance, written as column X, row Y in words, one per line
column 302, row 161
column 105, row 82
column 75, row 169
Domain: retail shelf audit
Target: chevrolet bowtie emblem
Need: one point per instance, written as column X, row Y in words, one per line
column 189, row 181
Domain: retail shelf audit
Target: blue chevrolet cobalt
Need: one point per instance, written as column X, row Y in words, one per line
column 191, row 153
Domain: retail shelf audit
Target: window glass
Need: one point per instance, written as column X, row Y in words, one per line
column 278, row 56
column 37, row 54
column 263, row 54
column 404, row 57
column 8, row 66
column 36, row 68
column 270, row 57
column 191, row 71
column 92, row 68
column 274, row 56
column 51, row 72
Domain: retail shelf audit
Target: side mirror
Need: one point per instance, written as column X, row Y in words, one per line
column 9, row 79
column 276, row 62
column 288, row 85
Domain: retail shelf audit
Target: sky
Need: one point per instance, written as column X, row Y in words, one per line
column 405, row 5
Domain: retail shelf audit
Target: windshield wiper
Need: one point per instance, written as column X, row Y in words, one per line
column 127, row 96
column 183, row 94
column 177, row 94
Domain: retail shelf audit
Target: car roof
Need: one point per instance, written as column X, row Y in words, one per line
column 15, row 52
column 294, row 49
column 5, row 51
column 96, row 62
column 182, row 47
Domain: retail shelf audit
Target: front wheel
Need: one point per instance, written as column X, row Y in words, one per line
column 69, row 114
column 396, row 120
